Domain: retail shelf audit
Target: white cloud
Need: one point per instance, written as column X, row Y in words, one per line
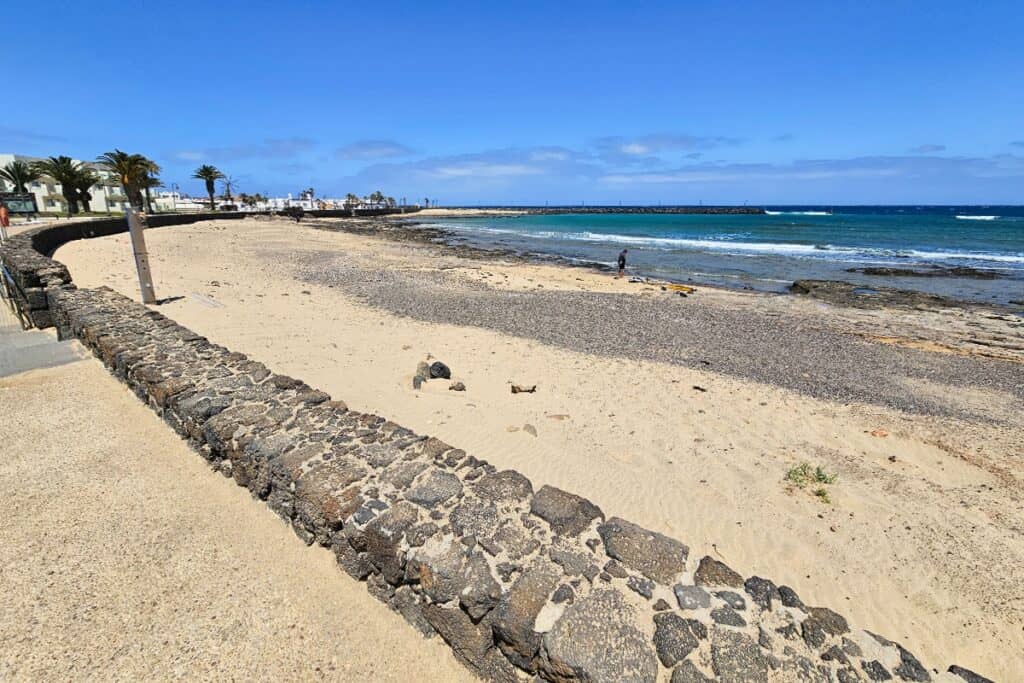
column 372, row 150
column 907, row 167
column 189, row 156
column 484, row 170
column 273, row 148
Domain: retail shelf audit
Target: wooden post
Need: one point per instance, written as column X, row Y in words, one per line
column 136, row 226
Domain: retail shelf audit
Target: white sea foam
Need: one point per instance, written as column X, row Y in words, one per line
column 977, row 218
column 872, row 254
column 972, row 255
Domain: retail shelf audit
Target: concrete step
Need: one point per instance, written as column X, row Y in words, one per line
column 19, row 339
column 14, row 361
column 23, row 350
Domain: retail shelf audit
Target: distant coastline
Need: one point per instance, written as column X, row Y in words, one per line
column 557, row 210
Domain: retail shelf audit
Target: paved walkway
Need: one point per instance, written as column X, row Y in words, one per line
column 22, row 350
column 125, row 557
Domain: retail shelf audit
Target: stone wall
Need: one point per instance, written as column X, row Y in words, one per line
column 519, row 580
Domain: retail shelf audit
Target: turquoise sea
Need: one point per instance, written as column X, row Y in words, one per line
column 769, row 251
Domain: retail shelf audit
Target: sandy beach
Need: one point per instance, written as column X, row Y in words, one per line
column 126, row 558
column 682, row 414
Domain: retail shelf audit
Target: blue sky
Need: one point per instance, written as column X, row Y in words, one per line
column 870, row 102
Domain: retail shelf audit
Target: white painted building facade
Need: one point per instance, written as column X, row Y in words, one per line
column 107, row 196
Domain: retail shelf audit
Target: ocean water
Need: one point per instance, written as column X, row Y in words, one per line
column 767, row 252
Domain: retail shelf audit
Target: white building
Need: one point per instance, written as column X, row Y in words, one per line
column 175, row 202
column 107, row 195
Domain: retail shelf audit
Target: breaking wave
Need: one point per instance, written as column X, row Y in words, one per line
column 718, row 244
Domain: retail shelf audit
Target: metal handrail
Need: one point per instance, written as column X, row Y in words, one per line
column 9, row 292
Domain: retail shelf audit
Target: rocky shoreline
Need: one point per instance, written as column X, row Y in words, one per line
column 837, row 292
column 936, row 271
column 852, row 295
column 779, row 348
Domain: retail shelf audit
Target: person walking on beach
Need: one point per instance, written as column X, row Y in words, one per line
column 622, row 262
column 5, row 220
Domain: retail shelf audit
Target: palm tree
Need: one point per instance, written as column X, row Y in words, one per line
column 390, row 201
column 19, row 174
column 150, row 179
column 131, row 171
column 65, row 171
column 84, row 181
column 377, row 197
column 351, row 200
column 149, row 182
column 210, row 175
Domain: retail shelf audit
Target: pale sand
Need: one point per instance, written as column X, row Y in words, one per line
column 926, row 550
column 126, row 558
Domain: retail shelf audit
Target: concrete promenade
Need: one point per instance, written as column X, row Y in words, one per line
column 126, row 557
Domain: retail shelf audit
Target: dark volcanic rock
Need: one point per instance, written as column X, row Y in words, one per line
column 835, row 654
column 472, row 643
column 736, row 658
column 727, row 616
column 910, row 669
column 675, row 637
column 653, row 555
column 813, row 634
column 439, row 370
column 568, row 514
column 956, row 271
column 481, row 591
column 514, row 617
column 644, row 587
column 734, row 600
column 563, row 593
column 613, row 568
column 597, row 640
column 790, row 598
column 711, row 572
column 857, row 296
column 687, row 672
column 439, row 572
column 848, row 675
column 405, row 603
column 507, row 485
column 968, row 675
column 383, row 537
column 437, row 487
column 692, row 597
column 876, row 671
column 355, row 563
column 473, row 517
column 573, row 562
column 832, row 623
column 761, row 591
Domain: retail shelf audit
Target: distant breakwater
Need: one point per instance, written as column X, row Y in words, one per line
column 553, row 210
